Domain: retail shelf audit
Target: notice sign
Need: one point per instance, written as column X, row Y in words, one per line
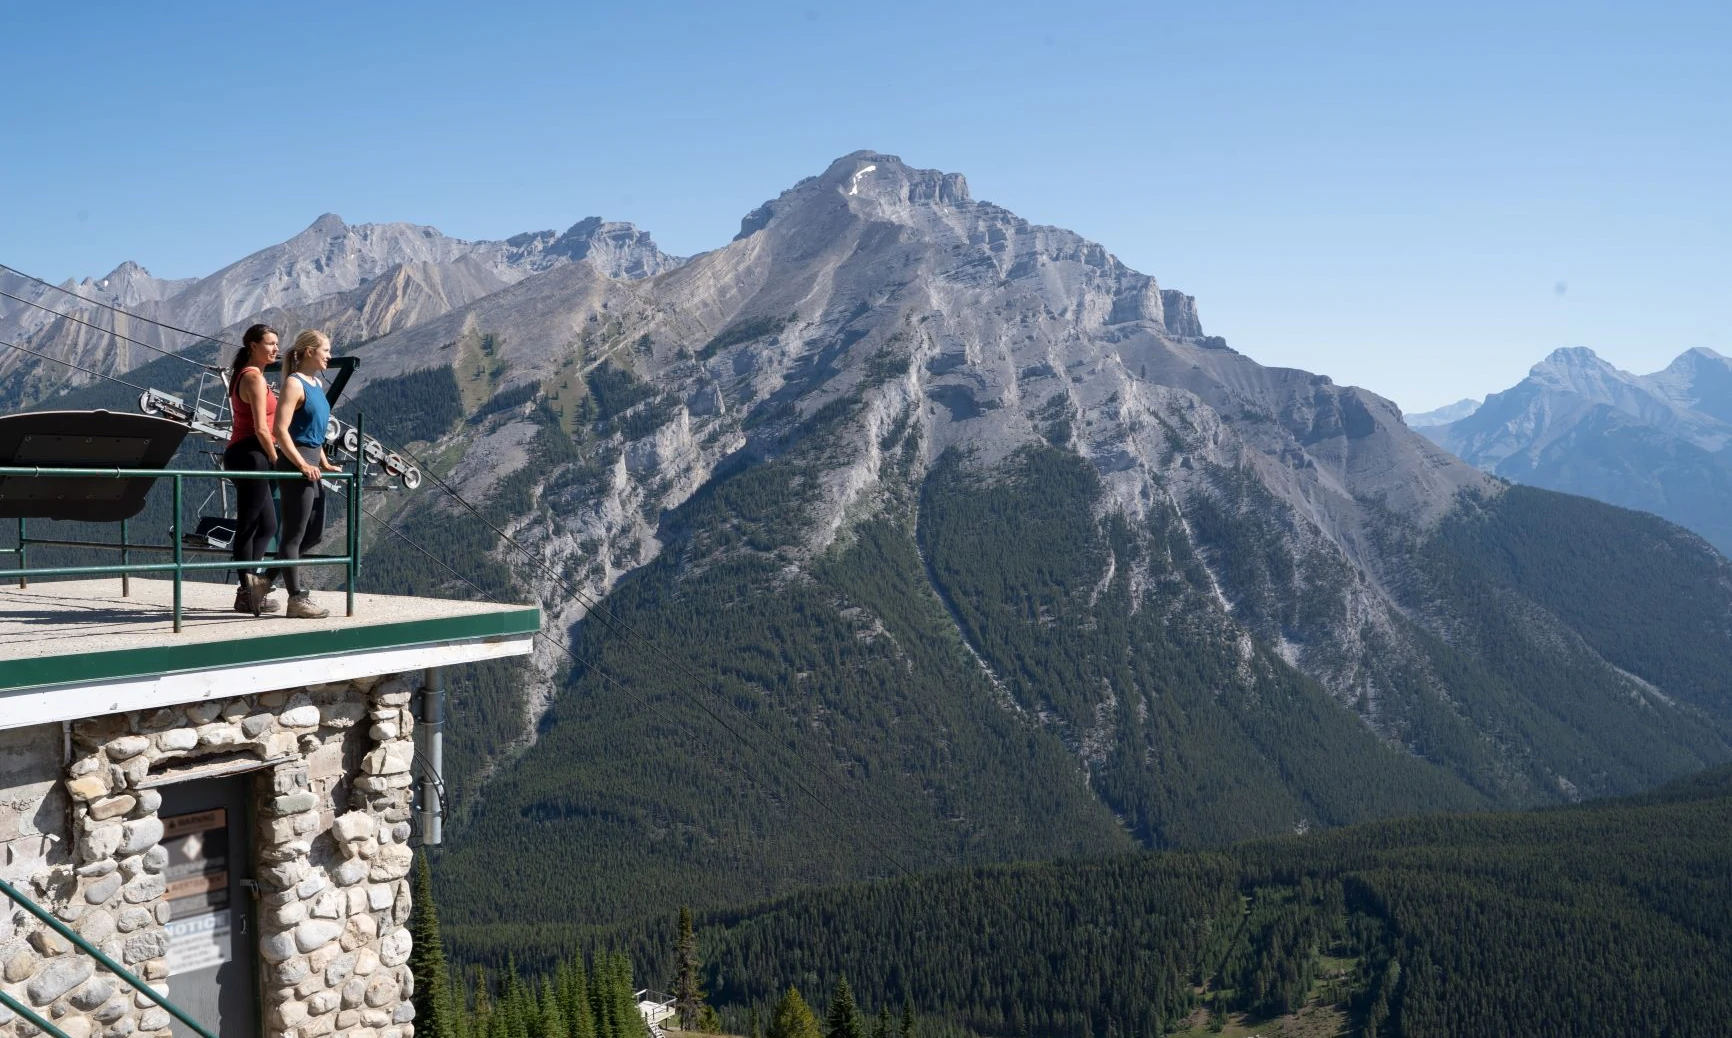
column 199, row 928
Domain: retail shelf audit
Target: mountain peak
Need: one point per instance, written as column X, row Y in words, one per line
column 1571, row 357
column 616, row 248
column 1578, row 369
column 328, row 224
column 864, row 176
column 1694, row 358
column 125, row 272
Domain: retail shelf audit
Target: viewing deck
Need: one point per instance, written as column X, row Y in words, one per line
column 71, row 649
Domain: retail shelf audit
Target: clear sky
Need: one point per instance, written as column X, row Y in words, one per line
column 1423, row 199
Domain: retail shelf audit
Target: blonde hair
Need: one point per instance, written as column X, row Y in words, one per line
column 306, row 344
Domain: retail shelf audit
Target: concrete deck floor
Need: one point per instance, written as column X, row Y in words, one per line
column 59, row 618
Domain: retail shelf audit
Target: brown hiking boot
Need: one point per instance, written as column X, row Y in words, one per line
column 254, row 595
column 301, row 607
column 244, row 605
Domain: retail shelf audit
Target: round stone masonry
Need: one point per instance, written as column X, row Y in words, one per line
column 334, row 898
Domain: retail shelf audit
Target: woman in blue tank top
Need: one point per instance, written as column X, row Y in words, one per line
column 302, row 414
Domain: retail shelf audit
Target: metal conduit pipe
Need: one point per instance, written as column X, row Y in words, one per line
column 433, row 750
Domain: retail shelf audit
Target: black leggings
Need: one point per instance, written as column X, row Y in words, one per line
column 301, row 499
column 255, row 516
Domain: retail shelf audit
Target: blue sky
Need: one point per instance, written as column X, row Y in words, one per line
column 1420, row 199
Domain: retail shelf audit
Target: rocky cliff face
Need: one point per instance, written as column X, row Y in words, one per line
column 1655, row 442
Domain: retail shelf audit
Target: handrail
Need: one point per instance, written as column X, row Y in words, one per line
column 96, row 953
column 30, row 1014
column 350, row 559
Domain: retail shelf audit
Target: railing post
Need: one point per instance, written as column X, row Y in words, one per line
column 354, row 523
column 23, row 562
column 125, row 560
column 174, row 535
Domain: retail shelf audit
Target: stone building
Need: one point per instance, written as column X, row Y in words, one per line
column 227, row 812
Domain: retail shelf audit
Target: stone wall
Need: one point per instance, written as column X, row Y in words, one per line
column 330, row 855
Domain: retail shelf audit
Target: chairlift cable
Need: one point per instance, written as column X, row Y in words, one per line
column 110, row 331
column 80, row 367
column 116, row 309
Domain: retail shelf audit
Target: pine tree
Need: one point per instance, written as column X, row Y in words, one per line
column 551, row 1016
column 881, row 1029
column 618, row 1001
column 436, row 1012
column 601, row 998
column 906, row 1030
column 573, row 994
column 516, row 1003
column 688, row 995
column 844, row 1018
column 792, row 1018
column 482, row 1020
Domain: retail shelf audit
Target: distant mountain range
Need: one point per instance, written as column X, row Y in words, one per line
column 1443, row 415
column 1657, row 443
column 985, row 549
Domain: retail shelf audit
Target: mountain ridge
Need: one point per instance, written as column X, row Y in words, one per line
column 309, row 278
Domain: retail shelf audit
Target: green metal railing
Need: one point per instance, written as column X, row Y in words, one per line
column 350, row 560
column 94, row 952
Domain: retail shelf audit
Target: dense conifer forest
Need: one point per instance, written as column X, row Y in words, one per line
column 1612, row 918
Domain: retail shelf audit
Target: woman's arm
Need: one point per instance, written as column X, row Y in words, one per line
column 256, row 395
column 287, row 405
column 325, row 463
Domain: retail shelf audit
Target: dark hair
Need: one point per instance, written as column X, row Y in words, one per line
column 252, row 337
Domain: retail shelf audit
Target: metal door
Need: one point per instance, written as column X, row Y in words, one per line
column 212, row 938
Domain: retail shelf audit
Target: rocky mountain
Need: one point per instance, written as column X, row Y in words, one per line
column 1443, row 415
column 983, row 520
column 1655, row 442
column 926, row 535
column 355, row 281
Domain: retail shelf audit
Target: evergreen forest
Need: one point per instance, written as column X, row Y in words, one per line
column 1606, row 919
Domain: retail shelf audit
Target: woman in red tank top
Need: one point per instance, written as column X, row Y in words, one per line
column 252, row 448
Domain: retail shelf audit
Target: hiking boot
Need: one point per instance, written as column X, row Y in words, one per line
column 245, row 605
column 254, row 595
column 301, row 607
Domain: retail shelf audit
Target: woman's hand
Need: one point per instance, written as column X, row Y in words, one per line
column 309, row 471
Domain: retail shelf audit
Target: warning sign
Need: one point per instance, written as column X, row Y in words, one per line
column 199, row 930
